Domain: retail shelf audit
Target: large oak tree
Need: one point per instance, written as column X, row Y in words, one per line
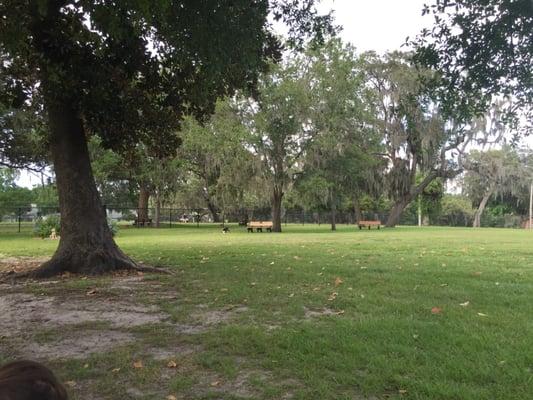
column 128, row 71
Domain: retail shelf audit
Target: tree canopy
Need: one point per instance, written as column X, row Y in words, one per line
column 482, row 49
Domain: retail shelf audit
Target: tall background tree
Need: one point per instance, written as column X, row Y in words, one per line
column 215, row 154
column 280, row 126
column 342, row 152
column 490, row 173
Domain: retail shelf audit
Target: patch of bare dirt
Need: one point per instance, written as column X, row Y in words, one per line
column 203, row 319
column 215, row 317
column 22, row 312
column 20, row 264
column 320, row 312
column 170, row 353
column 78, row 346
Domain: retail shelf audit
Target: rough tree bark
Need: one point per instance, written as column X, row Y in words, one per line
column 142, row 207
column 277, row 197
column 86, row 245
column 481, row 208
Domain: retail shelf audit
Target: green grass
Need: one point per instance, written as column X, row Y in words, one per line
column 385, row 342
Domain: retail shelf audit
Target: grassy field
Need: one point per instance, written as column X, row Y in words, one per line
column 410, row 313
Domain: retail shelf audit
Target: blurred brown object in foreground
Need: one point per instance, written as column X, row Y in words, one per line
column 29, row 380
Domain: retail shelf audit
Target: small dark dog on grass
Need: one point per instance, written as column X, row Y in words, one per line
column 225, row 229
column 29, row 380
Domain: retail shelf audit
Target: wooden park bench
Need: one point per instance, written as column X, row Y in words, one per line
column 142, row 222
column 259, row 225
column 369, row 224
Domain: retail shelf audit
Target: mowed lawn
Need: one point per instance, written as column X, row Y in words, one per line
column 410, row 313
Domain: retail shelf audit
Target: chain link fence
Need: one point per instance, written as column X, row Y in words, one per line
column 24, row 218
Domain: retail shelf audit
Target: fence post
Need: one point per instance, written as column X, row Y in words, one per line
column 303, row 217
column 19, row 216
column 170, row 217
column 197, row 218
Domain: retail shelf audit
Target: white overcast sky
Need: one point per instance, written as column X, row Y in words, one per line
column 379, row 25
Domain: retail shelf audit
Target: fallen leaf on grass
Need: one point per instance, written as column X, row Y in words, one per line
column 91, row 292
column 70, row 383
column 291, row 295
column 333, row 296
column 465, row 304
column 338, row 281
column 340, row 312
column 171, row 397
column 402, row 391
column 215, row 383
column 86, row 366
column 482, row 315
column 172, row 364
column 138, row 364
column 297, row 257
column 436, row 310
column 115, row 370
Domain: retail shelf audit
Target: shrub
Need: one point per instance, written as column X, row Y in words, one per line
column 43, row 226
column 456, row 211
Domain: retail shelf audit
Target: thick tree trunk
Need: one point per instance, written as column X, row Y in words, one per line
column 357, row 211
column 419, row 210
column 86, row 245
column 396, row 212
column 157, row 209
column 277, row 197
column 144, row 197
column 481, row 208
column 213, row 210
column 401, row 203
column 333, row 212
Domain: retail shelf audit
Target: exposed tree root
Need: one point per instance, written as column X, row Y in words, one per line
column 58, row 266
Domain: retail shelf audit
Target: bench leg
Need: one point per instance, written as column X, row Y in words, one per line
column 251, row 230
column 360, row 227
column 260, row 230
column 379, row 227
column 269, row 229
